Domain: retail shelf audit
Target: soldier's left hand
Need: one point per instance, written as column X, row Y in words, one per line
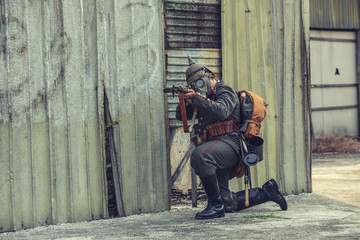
column 189, row 96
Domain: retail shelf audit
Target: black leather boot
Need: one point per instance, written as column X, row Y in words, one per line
column 271, row 189
column 268, row 192
column 215, row 207
column 256, row 196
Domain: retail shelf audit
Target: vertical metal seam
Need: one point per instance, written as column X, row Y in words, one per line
column 264, row 71
column 153, row 195
column 280, row 81
column 11, row 157
column 293, row 88
column 274, row 31
column 138, row 200
column 28, row 119
column 118, row 142
column 70, row 214
column 84, row 108
column 51, row 214
column 248, row 43
column 222, row 38
column 262, row 68
column 10, row 135
column 49, row 129
column 234, row 44
column 100, row 109
column 306, row 90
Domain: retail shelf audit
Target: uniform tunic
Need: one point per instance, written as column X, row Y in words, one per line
column 219, row 154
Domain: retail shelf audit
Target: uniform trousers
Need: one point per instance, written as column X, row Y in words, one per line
column 217, row 156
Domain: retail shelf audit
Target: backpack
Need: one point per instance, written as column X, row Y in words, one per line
column 253, row 112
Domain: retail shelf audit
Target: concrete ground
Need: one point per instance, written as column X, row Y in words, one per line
column 320, row 215
column 337, row 177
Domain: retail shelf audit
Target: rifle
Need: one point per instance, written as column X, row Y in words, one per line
column 181, row 90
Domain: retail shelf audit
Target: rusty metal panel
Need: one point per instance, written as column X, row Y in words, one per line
column 334, row 87
column 265, row 50
column 335, row 14
column 192, row 24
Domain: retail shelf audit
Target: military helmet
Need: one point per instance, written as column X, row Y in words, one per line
column 195, row 71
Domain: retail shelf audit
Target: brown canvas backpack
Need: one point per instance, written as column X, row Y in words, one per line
column 253, row 112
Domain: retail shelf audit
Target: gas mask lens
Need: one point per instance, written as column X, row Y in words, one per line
column 199, row 86
column 199, row 83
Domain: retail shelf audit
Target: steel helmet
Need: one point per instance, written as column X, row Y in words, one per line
column 195, row 71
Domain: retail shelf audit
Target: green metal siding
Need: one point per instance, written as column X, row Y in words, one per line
column 57, row 60
column 52, row 160
column 131, row 63
column 335, row 14
column 265, row 48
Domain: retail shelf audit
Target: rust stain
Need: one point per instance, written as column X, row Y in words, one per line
column 39, row 100
column 22, row 50
column 142, row 4
column 62, row 45
column 16, row 39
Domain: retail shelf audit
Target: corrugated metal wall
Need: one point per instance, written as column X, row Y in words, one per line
column 57, row 59
column 52, row 159
column 131, row 65
column 265, row 50
column 192, row 24
column 335, row 14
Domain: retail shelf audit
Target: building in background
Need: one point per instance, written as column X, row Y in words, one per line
column 335, row 51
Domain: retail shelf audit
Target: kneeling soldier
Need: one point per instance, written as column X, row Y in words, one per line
column 217, row 144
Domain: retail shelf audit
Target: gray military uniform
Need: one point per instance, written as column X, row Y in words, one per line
column 220, row 153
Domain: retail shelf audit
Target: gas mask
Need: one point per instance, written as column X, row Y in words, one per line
column 202, row 85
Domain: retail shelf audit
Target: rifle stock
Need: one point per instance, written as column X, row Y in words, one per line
column 183, row 112
column 181, row 90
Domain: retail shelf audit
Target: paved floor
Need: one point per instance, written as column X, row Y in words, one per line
column 337, row 177
column 310, row 216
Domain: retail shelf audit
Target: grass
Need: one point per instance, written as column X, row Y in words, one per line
column 261, row 216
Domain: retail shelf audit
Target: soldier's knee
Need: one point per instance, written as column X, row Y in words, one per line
column 196, row 159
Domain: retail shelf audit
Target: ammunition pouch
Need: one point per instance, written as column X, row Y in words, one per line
column 219, row 129
column 213, row 130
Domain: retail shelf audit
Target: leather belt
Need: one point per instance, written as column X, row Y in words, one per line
column 219, row 129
